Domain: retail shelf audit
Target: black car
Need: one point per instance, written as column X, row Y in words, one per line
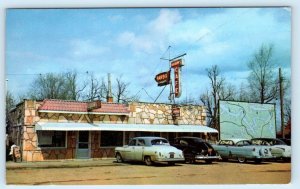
column 196, row 149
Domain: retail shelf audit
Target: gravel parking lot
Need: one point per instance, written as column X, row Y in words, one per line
column 113, row 173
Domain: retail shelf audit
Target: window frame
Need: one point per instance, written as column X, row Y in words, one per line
column 54, row 147
column 100, row 139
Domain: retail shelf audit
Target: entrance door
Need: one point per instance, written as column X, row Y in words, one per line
column 82, row 151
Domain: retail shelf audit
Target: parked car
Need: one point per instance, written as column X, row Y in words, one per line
column 149, row 150
column 242, row 150
column 279, row 149
column 195, row 148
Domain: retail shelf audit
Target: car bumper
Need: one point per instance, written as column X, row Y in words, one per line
column 169, row 159
column 199, row 157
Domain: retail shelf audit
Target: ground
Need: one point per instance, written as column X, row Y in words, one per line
column 113, row 173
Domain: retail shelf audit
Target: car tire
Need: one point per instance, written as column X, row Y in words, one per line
column 119, row 158
column 241, row 159
column 148, row 160
column 190, row 160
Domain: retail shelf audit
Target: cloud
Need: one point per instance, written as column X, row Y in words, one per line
column 86, row 48
column 137, row 43
column 153, row 35
column 165, row 21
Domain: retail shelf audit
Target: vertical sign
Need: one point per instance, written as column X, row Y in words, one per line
column 176, row 65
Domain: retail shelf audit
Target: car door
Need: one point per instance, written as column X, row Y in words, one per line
column 240, row 150
column 129, row 150
column 139, row 150
column 224, row 148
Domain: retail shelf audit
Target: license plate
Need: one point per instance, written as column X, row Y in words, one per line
column 171, row 155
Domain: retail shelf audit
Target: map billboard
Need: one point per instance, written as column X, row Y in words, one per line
column 246, row 120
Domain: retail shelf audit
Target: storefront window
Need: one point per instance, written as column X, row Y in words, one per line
column 111, row 138
column 52, row 138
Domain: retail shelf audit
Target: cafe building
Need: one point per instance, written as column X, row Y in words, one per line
column 59, row 129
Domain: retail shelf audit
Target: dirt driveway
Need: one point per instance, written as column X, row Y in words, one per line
column 139, row 174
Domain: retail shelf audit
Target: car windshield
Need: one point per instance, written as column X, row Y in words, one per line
column 226, row 142
column 269, row 142
column 159, row 142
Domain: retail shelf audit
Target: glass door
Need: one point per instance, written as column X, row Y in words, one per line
column 83, row 150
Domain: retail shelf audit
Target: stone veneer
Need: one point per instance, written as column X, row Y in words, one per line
column 25, row 116
column 150, row 113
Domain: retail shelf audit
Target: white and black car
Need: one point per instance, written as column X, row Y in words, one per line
column 149, row 150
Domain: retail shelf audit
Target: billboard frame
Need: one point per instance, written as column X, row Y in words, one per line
column 218, row 112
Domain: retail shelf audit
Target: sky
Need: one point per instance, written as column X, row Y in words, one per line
column 133, row 43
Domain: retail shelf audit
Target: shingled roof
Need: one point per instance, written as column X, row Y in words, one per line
column 81, row 107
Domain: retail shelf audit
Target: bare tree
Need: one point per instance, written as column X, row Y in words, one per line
column 207, row 101
column 121, row 91
column 10, row 103
column 263, row 80
column 56, row 86
column 243, row 94
column 72, row 88
column 48, row 86
column 220, row 90
column 95, row 88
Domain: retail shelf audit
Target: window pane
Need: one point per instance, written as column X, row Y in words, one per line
column 111, row 138
column 52, row 138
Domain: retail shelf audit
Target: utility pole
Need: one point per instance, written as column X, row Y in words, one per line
column 281, row 103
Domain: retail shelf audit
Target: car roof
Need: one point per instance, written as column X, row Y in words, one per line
column 235, row 140
column 149, row 137
column 270, row 139
column 189, row 137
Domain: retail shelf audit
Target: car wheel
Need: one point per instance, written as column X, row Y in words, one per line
column 148, row 160
column 189, row 160
column 119, row 158
column 242, row 159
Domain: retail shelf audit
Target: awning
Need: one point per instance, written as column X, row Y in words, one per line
column 122, row 127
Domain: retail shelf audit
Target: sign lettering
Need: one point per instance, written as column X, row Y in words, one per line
column 176, row 65
column 163, row 78
column 175, row 111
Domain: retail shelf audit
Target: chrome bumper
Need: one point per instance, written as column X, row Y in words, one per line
column 200, row 157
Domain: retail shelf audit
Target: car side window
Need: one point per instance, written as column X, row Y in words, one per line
column 132, row 142
column 183, row 142
column 141, row 142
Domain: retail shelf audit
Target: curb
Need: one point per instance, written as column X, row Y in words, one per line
column 61, row 164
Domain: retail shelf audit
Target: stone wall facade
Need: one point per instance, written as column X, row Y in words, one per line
column 150, row 113
column 25, row 116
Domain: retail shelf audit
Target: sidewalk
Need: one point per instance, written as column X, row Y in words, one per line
column 62, row 163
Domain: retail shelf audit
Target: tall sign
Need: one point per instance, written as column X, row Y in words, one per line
column 176, row 65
